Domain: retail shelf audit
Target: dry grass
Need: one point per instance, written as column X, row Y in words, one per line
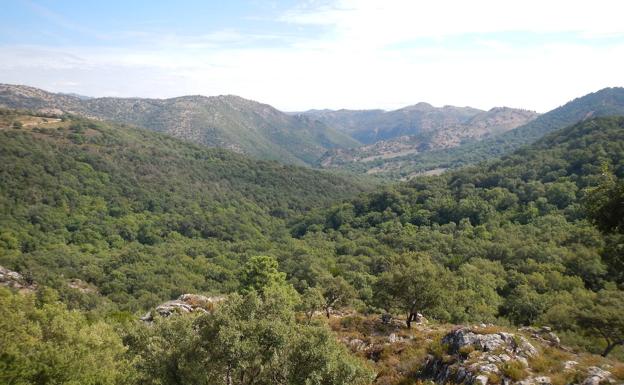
column 550, row 361
column 514, row 370
column 618, row 371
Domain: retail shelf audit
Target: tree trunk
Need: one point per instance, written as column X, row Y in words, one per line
column 609, row 348
column 410, row 317
column 228, row 375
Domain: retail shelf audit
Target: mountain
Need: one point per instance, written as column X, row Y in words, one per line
column 231, row 122
column 449, row 134
column 606, row 102
column 423, row 120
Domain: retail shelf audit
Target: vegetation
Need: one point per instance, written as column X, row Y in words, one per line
column 505, row 241
column 606, row 102
column 531, row 239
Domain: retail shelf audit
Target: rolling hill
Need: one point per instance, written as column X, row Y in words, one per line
column 440, row 134
column 230, row 122
column 95, row 200
column 606, row 102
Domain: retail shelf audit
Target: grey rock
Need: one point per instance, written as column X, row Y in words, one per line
column 481, row 380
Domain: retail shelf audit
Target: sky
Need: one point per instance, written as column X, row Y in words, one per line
column 299, row 55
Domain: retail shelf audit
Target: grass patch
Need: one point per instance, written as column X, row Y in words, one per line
column 514, row 370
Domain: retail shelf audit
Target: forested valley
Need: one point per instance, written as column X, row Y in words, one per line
column 103, row 222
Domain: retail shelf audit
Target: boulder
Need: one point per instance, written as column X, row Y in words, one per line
column 15, row 280
column 596, row 376
column 511, row 344
column 184, row 304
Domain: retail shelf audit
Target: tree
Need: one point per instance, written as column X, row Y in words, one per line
column 605, row 203
column 337, row 293
column 312, row 300
column 604, row 318
column 413, row 284
column 259, row 272
column 250, row 339
column 41, row 342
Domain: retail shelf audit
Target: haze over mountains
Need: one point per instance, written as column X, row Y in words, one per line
column 402, row 143
column 416, row 129
column 262, row 131
column 228, row 121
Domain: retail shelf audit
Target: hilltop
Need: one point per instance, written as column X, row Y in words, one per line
column 225, row 121
column 606, row 102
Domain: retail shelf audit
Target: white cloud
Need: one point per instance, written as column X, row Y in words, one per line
column 368, row 55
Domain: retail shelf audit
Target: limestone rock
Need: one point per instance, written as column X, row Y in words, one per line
column 15, row 280
column 186, row 303
column 596, row 376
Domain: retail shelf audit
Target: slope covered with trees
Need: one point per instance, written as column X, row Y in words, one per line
column 531, row 239
column 225, row 121
column 606, row 102
column 505, row 241
column 141, row 215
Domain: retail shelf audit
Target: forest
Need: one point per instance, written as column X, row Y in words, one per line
column 531, row 239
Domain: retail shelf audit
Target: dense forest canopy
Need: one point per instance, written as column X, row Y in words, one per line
column 534, row 238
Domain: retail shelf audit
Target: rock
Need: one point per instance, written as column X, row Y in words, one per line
column 489, row 342
column 82, row 286
column 569, row 365
column 489, row 368
column 420, row 319
column 357, row 344
column 186, row 303
column 543, row 380
column 596, row 376
column 504, row 357
column 523, row 361
column 15, row 280
column 481, row 380
column 544, row 334
column 392, row 338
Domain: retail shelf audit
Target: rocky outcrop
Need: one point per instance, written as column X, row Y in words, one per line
column 476, row 356
column 543, row 334
column 472, row 356
column 509, row 343
column 15, row 280
column 186, row 303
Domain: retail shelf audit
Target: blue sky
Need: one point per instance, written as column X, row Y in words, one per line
column 298, row 55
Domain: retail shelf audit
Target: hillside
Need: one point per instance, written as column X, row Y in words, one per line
column 80, row 197
column 505, row 240
column 606, row 102
column 227, row 122
column 449, row 134
column 102, row 222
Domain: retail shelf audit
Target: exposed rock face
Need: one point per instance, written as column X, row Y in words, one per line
column 596, row 376
column 510, row 343
column 474, row 357
column 15, row 280
column 544, row 334
column 186, row 303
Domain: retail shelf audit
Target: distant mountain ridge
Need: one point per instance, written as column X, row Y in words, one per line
column 224, row 121
column 425, row 128
column 423, row 119
column 602, row 103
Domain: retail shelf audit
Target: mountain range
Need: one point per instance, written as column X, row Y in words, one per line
column 225, row 121
column 402, row 143
column 417, row 129
column 261, row 131
column 605, row 102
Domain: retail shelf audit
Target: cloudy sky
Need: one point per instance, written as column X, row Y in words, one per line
column 298, row 55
